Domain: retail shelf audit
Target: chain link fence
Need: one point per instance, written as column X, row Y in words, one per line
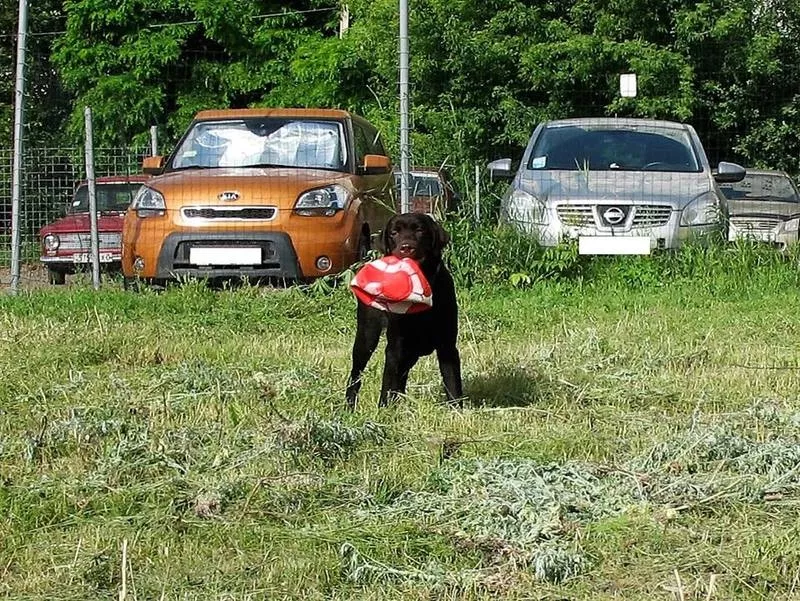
column 48, row 186
column 476, row 94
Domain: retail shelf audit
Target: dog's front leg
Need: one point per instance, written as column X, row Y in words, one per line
column 450, row 368
column 368, row 334
column 395, row 373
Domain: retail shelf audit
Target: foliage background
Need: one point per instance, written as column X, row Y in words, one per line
column 483, row 73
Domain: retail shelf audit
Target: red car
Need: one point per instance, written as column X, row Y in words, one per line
column 430, row 191
column 66, row 243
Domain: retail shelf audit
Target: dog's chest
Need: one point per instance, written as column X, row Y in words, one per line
column 417, row 333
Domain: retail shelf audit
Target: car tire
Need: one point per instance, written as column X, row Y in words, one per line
column 364, row 247
column 138, row 284
column 56, row 277
column 131, row 284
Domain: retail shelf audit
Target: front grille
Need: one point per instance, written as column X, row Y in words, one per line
column 644, row 215
column 83, row 241
column 761, row 224
column 576, row 215
column 651, row 216
column 230, row 213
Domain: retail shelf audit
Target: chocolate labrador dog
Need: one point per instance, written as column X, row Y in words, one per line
column 411, row 336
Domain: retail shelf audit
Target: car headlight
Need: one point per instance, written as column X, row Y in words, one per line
column 703, row 210
column 51, row 242
column 322, row 201
column 148, row 202
column 526, row 208
column 792, row 225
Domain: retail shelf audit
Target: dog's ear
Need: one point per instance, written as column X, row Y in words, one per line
column 386, row 237
column 440, row 235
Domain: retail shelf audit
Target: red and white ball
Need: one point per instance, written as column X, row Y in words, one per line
column 394, row 285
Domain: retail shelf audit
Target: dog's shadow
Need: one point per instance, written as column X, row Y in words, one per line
column 506, row 387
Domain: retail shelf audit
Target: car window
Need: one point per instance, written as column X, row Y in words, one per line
column 769, row 187
column 263, row 141
column 425, row 185
column 609, row 148
column 362, row 143
column 375, row 141
column 109, row 197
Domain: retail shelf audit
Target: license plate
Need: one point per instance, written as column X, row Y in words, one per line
column 220, row 255
column 87, row 258
column 614, row 245
column 751, row 235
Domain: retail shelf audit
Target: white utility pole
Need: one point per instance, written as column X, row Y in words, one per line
column 405, row 176
column 16, row 167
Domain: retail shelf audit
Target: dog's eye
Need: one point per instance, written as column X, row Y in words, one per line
column 393, row 232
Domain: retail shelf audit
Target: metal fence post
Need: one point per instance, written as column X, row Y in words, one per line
column 405, row 182
column 94, row 235
column 477, row 193
column 16, row 169
column 153, row 140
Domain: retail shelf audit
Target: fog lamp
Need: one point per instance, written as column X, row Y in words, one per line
column 324, row 263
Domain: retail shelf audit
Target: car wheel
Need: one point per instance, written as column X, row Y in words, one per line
column 56, row 277
column 364, row 246
column 131, row 284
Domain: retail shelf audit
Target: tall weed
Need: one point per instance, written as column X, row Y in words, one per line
column 498, row 255
column 487, row 254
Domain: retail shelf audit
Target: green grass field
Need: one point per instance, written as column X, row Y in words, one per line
column 631, row 434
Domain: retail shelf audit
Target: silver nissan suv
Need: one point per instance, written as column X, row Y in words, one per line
column 618, row 186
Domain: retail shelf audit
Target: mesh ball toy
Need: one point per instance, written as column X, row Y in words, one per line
column 393, row 285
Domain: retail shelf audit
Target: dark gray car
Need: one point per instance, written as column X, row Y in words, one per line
column 765, row 207
column 620, row 186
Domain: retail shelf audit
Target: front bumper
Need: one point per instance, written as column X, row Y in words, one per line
column 69, row 262
column 288, row 247
column 278, row 258
column 776, row 237
column 667, row 235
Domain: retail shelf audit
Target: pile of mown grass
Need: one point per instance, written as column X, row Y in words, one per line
column 524, row 515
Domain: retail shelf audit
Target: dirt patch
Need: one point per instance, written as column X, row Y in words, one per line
column 33, row 276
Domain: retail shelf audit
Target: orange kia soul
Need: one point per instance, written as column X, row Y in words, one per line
column 260, row 193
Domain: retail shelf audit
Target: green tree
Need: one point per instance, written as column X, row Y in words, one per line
column 483, row 73
column 45, row 100
column 139, row 63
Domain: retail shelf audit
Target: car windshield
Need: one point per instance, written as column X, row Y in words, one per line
column 422, row 185
column 768, row 187
column 425, row 185
column 263, row 141
column 109, row 197
column 611, row 147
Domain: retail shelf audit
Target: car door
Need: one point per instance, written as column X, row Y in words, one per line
column 377, row 191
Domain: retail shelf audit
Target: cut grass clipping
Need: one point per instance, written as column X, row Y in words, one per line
column 523, row 515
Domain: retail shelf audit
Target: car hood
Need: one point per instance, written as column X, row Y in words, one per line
column 79, row 222
column 254, row 185
column 763, row 208
column 639, row 187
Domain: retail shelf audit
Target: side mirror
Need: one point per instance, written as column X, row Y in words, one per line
column 153, row 165
column 500, row 169
column 375, row 164
column 729, row 173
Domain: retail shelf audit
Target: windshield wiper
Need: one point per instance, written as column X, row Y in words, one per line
column 188, row 167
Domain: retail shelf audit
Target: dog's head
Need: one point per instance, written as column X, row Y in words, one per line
column 416, row 236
